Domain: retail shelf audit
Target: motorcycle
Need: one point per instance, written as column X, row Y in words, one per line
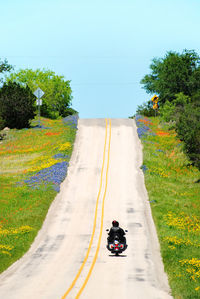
column 116, row 246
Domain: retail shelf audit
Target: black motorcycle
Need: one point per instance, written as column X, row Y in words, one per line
column 116, row 246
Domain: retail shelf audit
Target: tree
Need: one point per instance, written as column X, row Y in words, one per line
column 58, row 94
column 4, row 67
column 188, row 129
column 173, row 74
column 171, row 111
column 17, row 105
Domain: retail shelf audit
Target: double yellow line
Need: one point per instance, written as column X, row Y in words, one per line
column 95, row 218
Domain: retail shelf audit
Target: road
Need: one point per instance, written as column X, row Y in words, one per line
column 68, row 258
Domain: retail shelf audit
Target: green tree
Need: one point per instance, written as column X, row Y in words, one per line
column 188, row 129
column 4, row 67
column 171, row 111
column 173, row 74
column 58, row 94
column 17, row 105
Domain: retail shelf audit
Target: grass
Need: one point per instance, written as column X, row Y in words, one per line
column 33, row 163
column 173, row 188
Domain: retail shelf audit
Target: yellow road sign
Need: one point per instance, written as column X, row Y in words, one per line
column 155, row 99
column 155, row 106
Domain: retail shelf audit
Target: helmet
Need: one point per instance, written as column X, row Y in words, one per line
column 115, row 223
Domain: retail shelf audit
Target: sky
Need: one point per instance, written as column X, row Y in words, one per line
column 104, row 47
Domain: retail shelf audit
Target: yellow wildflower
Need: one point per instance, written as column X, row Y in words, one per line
column 65, row 146
column 7, row 247
column 15, row 231
column 6, row 252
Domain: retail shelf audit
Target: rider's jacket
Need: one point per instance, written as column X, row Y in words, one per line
column 116, row 231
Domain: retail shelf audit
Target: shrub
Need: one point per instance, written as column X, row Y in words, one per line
column 146, row 109
column 188, row 129
column 17, row 105
column 171, row 111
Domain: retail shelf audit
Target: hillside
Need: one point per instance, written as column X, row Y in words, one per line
column 33, row 164
column 173, row 188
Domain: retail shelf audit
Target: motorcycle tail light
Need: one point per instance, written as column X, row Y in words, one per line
column 122, row 246
column 111, row 246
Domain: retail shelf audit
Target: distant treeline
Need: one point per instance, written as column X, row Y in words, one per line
column 17, row 100
column 176, row 80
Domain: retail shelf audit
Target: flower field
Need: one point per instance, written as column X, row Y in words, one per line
column 33, row 164
column 174, row 192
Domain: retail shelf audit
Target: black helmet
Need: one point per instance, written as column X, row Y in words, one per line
column 115, row 223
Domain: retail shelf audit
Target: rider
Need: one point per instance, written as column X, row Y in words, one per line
column 116, row 230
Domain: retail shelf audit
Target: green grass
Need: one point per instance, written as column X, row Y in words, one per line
column 174, row 193
column 23, row 209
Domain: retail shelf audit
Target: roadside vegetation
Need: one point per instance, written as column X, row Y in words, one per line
column 33, row 164
column 34, row 157
column 18, row 102
column 171, row 145
column 173, row 189
column 176, row 80
column 57, row 97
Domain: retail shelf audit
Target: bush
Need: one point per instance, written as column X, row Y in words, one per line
column 146, row 109
column 171, row 111
column 188, row 129
column 17, row 105
column 70, row 111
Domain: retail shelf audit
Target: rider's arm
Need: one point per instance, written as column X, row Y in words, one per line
column 110, row 232
column 123, row 232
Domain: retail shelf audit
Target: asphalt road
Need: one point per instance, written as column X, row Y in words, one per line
column 69, row 259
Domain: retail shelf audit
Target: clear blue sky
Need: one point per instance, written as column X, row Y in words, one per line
column 104, row 47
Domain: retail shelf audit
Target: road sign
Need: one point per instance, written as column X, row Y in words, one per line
column 155, row 106
column 39, row 93
column 38, row 102
column 155, row 99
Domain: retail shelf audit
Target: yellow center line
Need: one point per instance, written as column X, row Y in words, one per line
column 95, row 220
column 102, row 217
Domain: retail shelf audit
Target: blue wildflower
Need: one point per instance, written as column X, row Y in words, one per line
column 52, row 175
column 71, row 120
column 144, row 168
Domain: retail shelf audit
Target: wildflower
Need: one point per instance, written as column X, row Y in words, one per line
column 52, row 133
column 171, row 247
column 5, row 252
column 178, row 241
column 53, row 175
column 15, row 231
column 193, row 267
column 60, row 156
column 71, row 120
column 144, row 168
column 65, row 146
column 162, row 133
column 7, row 247
column 183, row 221
column 45, row 162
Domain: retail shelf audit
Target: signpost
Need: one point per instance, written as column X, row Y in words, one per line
column 155, row 102
column 39, row 93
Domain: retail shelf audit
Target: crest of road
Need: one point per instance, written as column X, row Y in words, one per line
column 69, row 258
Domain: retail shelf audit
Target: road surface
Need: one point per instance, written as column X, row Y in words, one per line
column 68, row 258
